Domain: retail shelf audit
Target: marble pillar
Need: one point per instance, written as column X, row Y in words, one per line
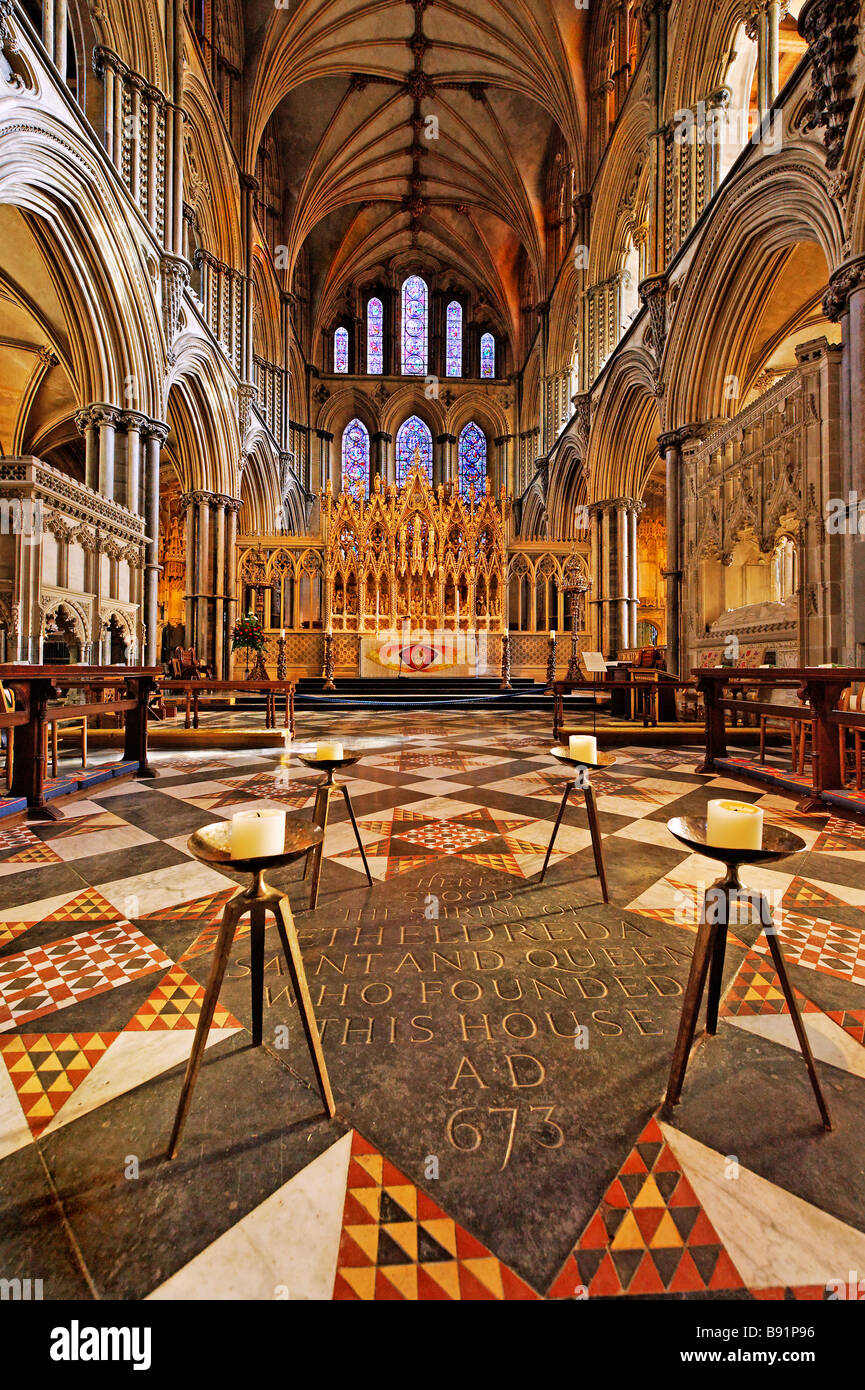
column 154, row 434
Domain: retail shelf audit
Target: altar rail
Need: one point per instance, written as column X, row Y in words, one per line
column 271, row 690
column 818, row 690
column 35, row 688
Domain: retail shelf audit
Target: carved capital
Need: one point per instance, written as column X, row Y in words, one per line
column 846, row 279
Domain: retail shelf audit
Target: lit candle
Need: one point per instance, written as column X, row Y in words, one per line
column 734, row 825
column 328, row 752
column 583, row 747
column 257, row 834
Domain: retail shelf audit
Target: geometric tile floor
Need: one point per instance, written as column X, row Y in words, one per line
column 498, row 1049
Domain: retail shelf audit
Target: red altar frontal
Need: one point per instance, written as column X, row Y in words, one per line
column 418, row 652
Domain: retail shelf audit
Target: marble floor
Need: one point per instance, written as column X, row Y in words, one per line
column 498, row 1048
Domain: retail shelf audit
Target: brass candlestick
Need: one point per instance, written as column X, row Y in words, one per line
column 328, row 661
column 280, row 657
column 551, row 665
column 506, row 662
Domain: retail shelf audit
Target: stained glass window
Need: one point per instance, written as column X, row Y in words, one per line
column 412, row 435
column 355, row 456
column 375, row 336
column 488, row 355
column 472, row 453
column 414, row 326
column 340, row 350
column 455, row 339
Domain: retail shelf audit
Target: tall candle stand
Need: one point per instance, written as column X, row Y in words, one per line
column 551, row 665
column 721, row 907
column 328, row 662
column 506, row 662
column 281, row 665
column 212, row 846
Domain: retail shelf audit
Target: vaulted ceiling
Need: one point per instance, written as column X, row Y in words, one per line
column 351, row 87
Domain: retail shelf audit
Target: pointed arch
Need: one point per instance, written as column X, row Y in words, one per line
column 355, row 457
column 413, row 436
column 472, row 461
column 415, row 326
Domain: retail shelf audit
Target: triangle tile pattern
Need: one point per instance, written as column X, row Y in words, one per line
column 756, row 989
column 86, row 824
column 9, row 930
column 801, row 893
column 176, row 1003
column 46, row 1068
column 206, row 909
column 838, row 835
column 398, row 1244
column 39, row 853
column 16, row 837
column 851, row 1020
column 206, row 940
column 820, row 944
column 649, row 1235
column 87, row 906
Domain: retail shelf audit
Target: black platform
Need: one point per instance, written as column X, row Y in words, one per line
column 419, row 692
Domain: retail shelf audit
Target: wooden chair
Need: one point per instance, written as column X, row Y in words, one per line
column 8, row 701
column 74, row 725
column 795, row 725
column 852, row 701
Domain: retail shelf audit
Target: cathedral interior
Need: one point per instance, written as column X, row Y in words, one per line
column 448, row 349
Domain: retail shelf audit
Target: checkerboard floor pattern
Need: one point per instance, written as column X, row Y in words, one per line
column 425, row 792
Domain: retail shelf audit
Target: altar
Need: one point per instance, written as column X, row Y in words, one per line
column 421, row 652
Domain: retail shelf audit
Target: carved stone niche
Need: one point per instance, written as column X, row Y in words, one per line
column 830, row 28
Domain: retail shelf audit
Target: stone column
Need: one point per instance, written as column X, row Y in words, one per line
column 327, row 471
column 134, row 424
column 382, row 461
column 202, row 575
column 444, row 466
column 232, row 508
column 154, row 434
column 187, row 502
column 634, row 583
column 507, row 463
column 106, row 418
column 249, row 188
column 87, row 425
column 595, row 622
column 219, row 577
column 606, row 629
column 670, row 446
column 655, row 13
column 844, row 302
column 620, row 614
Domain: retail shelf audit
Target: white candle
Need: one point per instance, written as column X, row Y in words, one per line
column 328, row 752
column 584, row 747
column 458, row 608
column 257, row 834
column 282, row 633
column 552, row 634
column 734, row 825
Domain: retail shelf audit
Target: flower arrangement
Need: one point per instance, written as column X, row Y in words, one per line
column 247, row 634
